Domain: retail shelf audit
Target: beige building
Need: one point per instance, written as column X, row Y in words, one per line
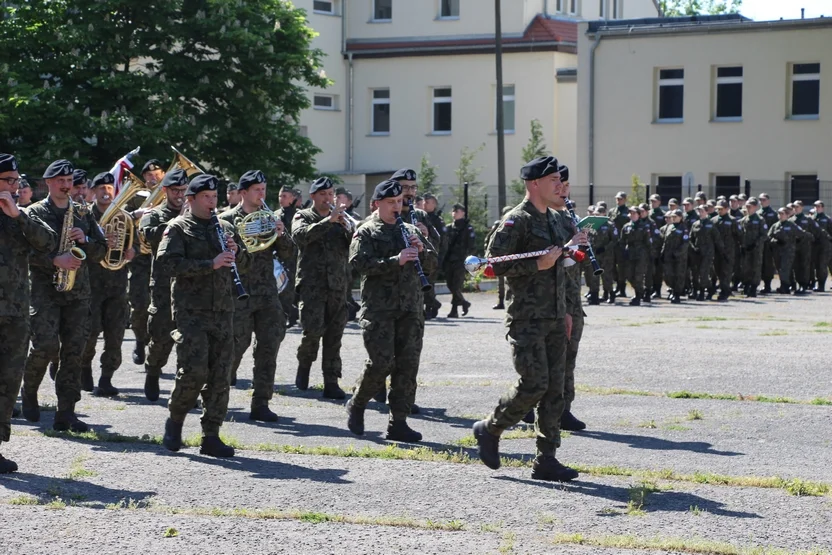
column 418, row 76
column 719, row 102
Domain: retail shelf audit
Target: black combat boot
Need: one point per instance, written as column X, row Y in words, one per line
column 138, row 353
column 820, row 288
column 213, row 446
column 752, row 291
column 172, row 439
column 31, row 408
column 488, row 445
column 151, row 387
column 414, row 409
column 398, row 430
column 453, row 313
column 675, row 299
column 635, row 301
column 7, row 466
column 355, row 419
column 65, row 420
column 611, row 300
column 723, row 296
column 593, row 298
column 710, row 295
column 381, row 396
column 15, row 412
column 548, row 468
column 646, row 298
column 333, row 391
column 766, row 288
column 302, row 378
column 86, row 380
column 465, row 306
column 262, row 413
column 499, row 306
column 105, row 388
column 700, row 296
column 53, row 370
column 606, row 297
column 233, row 381
column 622, row 291
column 657, row 292
column 569, row 423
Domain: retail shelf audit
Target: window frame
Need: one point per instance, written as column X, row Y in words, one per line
column 801, row 176
column 375, row 19
column 572, row 9
column 793, row 77
column 333, row 107
column 734, row 80
column 669, row 82
column 506, row 98
column 602, row 9
column 716, row 187
column 616, row 9
column 449, row 17
column 324, row 12
column 441, row 100
column 378, row 102
column 678, row 195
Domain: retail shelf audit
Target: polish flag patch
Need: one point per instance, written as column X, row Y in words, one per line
column 508, row 223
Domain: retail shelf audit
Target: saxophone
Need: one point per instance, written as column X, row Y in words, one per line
column 65, row 279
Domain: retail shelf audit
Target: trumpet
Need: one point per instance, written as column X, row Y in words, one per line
column 350, row 223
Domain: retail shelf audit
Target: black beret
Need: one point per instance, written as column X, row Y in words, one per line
column 287, row 189
column 79, row 177
column 458, row 206
column 345, row 193
column 320, row 184
column 429, row 196
column 404, row 174
column 232, row 186
column 7, row 163
column 340, row 191
column 251, row 177
column 564, row 173
column 297, row 192
column 58, row 168
column 722, row 204
column 24, row 182
column 104, row 178
column 387, row 189
column 151, row 165
column 175, row 178
column 202, row 182
column 539, row 167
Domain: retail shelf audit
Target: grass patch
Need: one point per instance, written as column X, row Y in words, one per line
column 695, row 415
column 507, row 543
column 581, row 388
column 493, row 527
column 171, row 532
column 709, row 319
column 696, row 511
column 24, row 500
column 526, row 432
column 650, row 424
column 129, row 504
column 77, row 469
column 699, row 395
column 56, row 504
column 638, row 498
column 823, row 325
column 676, row 428
column 683, row 545
column 774, row 333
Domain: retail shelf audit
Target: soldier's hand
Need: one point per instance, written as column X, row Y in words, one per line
column 130, row 254
column 416, row 242
column 281, row 229
column 230, row 244
column 138, row 213
column 580, row 238
column 8, row 205
column 408, row 255
column 112, row 240
column 423, row 228
column 77, row 234
column 66, row 261
column 224, row 260
column 546, row 261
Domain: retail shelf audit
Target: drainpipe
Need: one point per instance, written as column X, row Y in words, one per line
column 351, row 116
column 592, row 108
column 348, row 162
column 546, row 8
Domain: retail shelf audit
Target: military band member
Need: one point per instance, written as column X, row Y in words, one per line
column 60, row 320
column 108, row 303
column 261, row 313
column 537, row 319
column 20, row 234
column 605, row 244
column 288, row 298
column 24, row 193
column 461, row 241
column 203, row 309
column 438, row 224
column 392, row 318
column 323, row 242
column 232, row 194
column 160, row 320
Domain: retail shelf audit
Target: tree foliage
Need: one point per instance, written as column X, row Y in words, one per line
column 638, row 190
column 535, row 148
column 222, row 80
column 672, row 8
column 477, row 194
column 427, row 177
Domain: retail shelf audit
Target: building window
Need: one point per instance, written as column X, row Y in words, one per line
column 668, row 187
column 559, row 6
column 381, row 112
column 508, row 109
column 805, row 91
column 671, row 95
column 602, row 9
column 728, row 94
column 382, row 10
column 325, row 102
column 726, row 185
column 442, row 111
column 573, row 6
column 805, row 187
column 449, row 9
column 322, row 6
column 616, row 9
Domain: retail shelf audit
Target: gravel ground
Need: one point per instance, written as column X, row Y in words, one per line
column 772, row 347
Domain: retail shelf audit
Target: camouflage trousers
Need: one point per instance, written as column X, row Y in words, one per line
column 724, row 266
column 675, row 270
column 802, row 262
column 752, row 266
column 768, row 269
column 323, row 317
column 159, row 328
column 204, row 351
column 108, row 310
column 264, row 317
column 15, row 339
column 820, row 262
column 607, row 262
column 538, row 350
column 636, row 270
column 455, row 280
column 571, row 360
column 288, row 298
column 783, row 260
column 702, row 264
column 430, row 296
column 620, row 267
column 139, row 301
column 394, row 345
column 58, row 331
column 737, row 268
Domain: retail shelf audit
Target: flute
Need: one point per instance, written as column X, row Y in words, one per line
column 596, row 268
column 241, row 292
column 426, row 286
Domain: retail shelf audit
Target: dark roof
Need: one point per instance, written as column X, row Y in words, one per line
column 665, row 21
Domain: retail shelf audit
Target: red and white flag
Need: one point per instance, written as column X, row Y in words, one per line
column 123, row 164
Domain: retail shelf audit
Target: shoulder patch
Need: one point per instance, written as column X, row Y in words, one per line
column 765, row 226
column 297, row 216
column 508, row 223
column 167, row 230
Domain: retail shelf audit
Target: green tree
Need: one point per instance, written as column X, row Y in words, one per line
column 638, row 190
column 427, row 177
column 477, row 195
column 673, row 8
column 535, row 148
column 222, row 80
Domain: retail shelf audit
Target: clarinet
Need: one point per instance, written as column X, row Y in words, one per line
column 241, row 292
column 596, row 268
column 426, row 286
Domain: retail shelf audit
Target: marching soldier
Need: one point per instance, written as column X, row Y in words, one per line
column 728, row 229
column 636, row 247
column 203, row 309
column 770, row 217
column 60, row 320
column 674, row 254
column 108, row 303
column 823, row 254
column 754, row 235
column 620, row 216
column 160, row 320
column 232, row 195
column 288, row 298
column 705, row 240
column 438, row 224
column 783, row 238
column 261, row 313
column 655, row 250
column 658, row 217
column 20, row 234
column 807, row 249
column 461, row 239
column 392, row 316
column 605, row 244
column 323, row 241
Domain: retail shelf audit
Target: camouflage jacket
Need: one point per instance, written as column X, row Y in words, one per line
column 461, row 242
column 675, row 242
column 41, row 268
column 729, row 230
column 186, row 253
column 535, row 294
column 323, row 250
column 153, row 226
column 258, row 279
column 811, row 226
column 657, row 214
column 422, row 217
column 825, row 223
column 605, row 239
column 655, row 237
column 18, row 237
column 784, row 235
column 291, row 260
column 386, row 285
column 619, row 215
column 572, row 273
column 769, row 215
column 704, row 238
column 803, row 237
column 104, row 280
column 754, row 231
column 435, row 219
column 636, row 240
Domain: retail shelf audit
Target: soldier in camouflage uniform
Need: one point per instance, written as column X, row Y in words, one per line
column 806, row 248
column 392, row 316
column 705, row 240
column 20, row 234
column 822, row 259
column 736, row 213
column 620, row 215
column 537, row 318
column 436, row 221
column 636, row 245
column 754, row 236
column 203, row 309
column 160, row 319
column 783, row 238
column 323, row 244
column 605, row 243
column 60, row 321
column 690, row 216
column 286, row 213
column 769, row 215
column 461, row 241
column 674, row 254
column 729, row 230
column 108, row 303
column 655, row 251
column 261, row 313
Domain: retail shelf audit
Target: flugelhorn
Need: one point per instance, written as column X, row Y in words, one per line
column 117, row 221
